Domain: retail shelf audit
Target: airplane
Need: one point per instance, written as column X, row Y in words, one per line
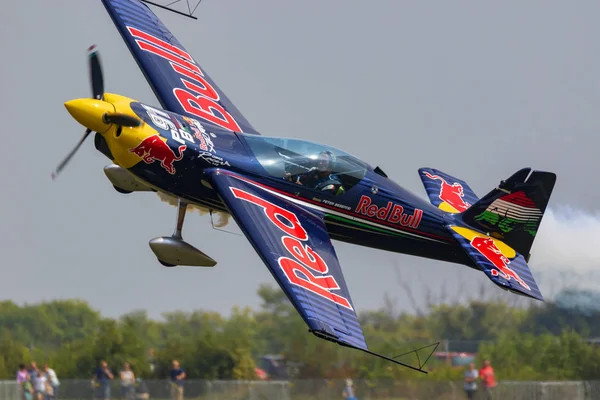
column 291, row 197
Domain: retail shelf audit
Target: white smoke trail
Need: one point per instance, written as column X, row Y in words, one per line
column 222, row 218
column 568, row 240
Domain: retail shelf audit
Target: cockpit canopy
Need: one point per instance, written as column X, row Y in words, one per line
column 289, row 159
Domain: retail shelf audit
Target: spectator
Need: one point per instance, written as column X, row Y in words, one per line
column 40, row 386
column 103, row 376
column 471, row 375
column 152, row 359
column 22, row 374
column 127, row 382
column 488, row 379
column 28, row 388
column 33, row 373
column 52, row 380
column 22, row 377
column 348, row 392
column 177, row 376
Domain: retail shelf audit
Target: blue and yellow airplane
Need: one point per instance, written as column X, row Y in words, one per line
column 291, row 197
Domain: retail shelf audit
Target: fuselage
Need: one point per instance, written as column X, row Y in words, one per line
column 171, row 153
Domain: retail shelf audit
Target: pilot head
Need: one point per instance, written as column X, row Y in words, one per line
column 325, row 161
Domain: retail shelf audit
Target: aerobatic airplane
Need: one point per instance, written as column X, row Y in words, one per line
column 291, row 197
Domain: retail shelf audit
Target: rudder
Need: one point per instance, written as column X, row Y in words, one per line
column 513, row 211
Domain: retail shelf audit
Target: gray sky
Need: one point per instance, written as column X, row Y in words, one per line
column 477, row 90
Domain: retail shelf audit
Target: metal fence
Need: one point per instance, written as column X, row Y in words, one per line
column 318, row 390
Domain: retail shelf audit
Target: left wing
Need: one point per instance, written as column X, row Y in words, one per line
column 175, row 77
column 294, row 244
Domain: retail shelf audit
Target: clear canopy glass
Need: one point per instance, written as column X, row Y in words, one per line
column 289, row 159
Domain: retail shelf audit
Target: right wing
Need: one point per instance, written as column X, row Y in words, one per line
column 174, row 76
column 294, row 244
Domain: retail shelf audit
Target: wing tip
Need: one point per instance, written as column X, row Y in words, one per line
column 419, row 367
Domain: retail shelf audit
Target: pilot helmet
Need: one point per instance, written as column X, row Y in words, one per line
column 326, row 161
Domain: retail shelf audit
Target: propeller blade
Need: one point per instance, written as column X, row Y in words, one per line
column 96, row 76
column 70, row 155
column 121, row 119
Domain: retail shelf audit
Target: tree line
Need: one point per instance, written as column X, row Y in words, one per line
column 544, row 341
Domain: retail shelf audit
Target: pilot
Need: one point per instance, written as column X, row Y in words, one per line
column 321, row 177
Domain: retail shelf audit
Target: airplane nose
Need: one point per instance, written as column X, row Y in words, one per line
column 89, row 113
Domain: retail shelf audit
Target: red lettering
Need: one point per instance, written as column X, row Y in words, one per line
column 393, row 213
column 199, row 136
column 272, row 211
column 307, row 256
column 362, row 205
column 372, row 210
column 168, row 56
column 418, row 216
column 159, row 42
column 318, row 285
column 205, row 90
column 406, row 220
column 396, row 213
column 384, row 211
column 203, row 107
column 298, row 271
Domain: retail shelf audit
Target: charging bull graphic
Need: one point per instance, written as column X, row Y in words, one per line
column 451, row 194
column 488, row 248
column 153, row 148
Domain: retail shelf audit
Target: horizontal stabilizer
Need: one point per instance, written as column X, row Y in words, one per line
column 500, row 262
column 446, row 192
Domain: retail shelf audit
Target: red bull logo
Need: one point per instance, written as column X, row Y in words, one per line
column 154, row 149
column 451, row 194
column 393, row 213
column 488, row 248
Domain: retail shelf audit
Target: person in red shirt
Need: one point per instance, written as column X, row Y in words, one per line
column 488, row 379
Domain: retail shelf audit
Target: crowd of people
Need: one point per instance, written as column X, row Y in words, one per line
column 485, row 375
column 43, row 384
column 133, row 387
column 37, row 384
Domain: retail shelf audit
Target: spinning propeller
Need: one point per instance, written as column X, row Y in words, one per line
column 78, row 110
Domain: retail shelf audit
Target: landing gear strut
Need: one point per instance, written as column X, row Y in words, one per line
column 173, row 250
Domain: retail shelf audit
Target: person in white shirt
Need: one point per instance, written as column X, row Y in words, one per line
column 471, row 375
column 348, row 392
column 40, row 386
column 53, row 380
column 127, row 382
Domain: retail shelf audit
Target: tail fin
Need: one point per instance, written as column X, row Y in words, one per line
column 513, row 211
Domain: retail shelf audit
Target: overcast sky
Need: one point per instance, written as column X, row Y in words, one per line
column 478, row 90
